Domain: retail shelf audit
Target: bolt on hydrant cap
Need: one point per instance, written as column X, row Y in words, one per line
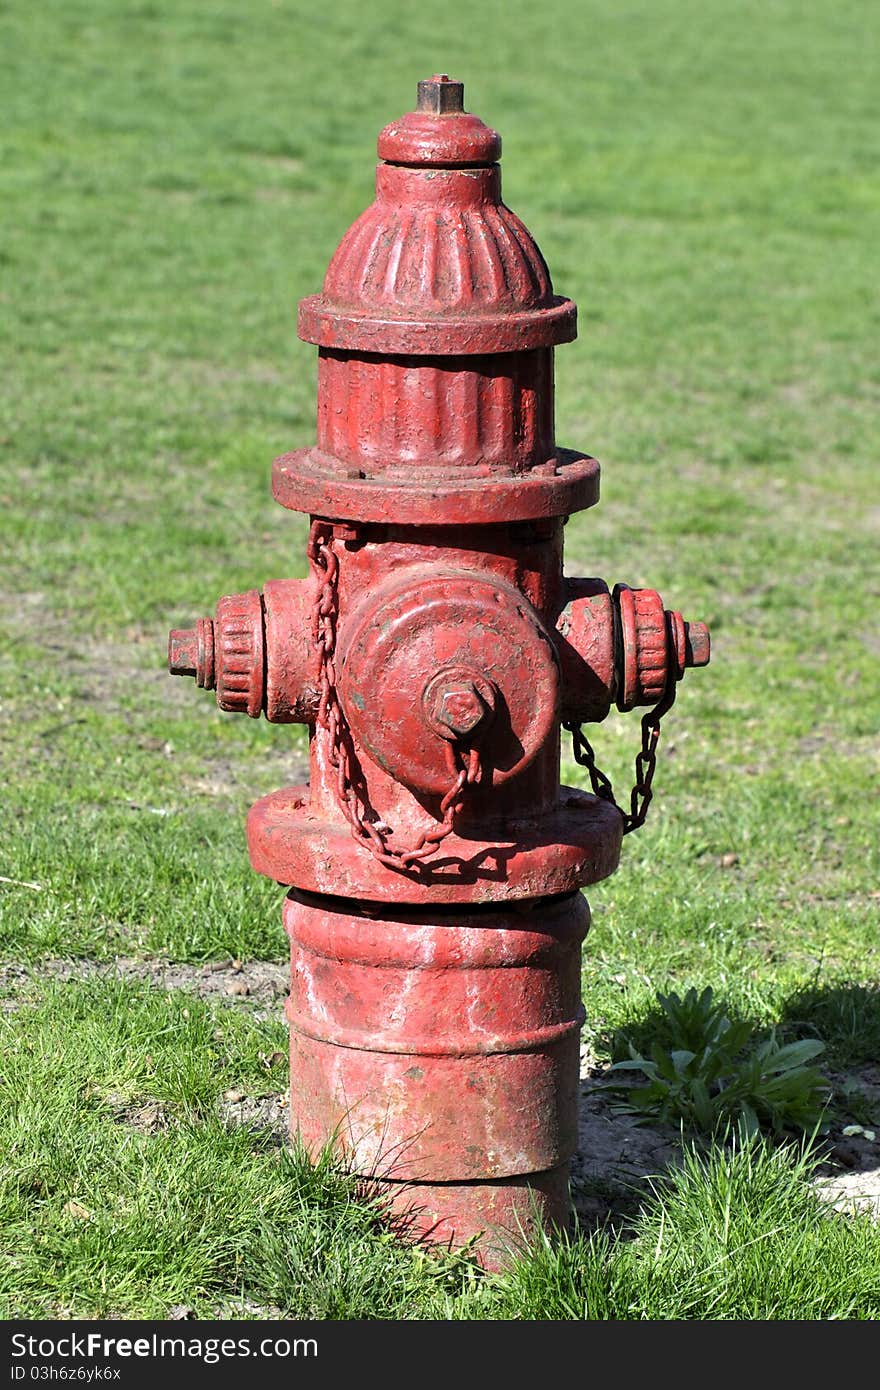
column 458, row 704
column 461, row 709
column 697, row 646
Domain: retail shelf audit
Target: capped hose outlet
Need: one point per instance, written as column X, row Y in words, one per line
column 256, row 652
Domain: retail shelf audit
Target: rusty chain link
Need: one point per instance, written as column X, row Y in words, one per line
column 646, row 759
column 464, row 764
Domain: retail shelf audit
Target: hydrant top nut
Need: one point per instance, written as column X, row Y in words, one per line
column 440, row 94
column 439, row 134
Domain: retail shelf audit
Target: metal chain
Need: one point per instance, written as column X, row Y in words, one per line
column 646, row 760
column 464, row 764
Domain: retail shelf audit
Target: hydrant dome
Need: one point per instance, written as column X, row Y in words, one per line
column 437, row 263
column 441, row 254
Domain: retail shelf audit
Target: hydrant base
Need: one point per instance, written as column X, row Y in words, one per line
column 495, row 1221
column 439, row 1053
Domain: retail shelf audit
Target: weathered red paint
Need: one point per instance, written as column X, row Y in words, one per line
column 434, row 859
column 441, row 1049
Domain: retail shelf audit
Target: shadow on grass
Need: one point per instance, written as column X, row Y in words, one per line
column 844, row 1015
column 704, row 1068
column 625, row 1149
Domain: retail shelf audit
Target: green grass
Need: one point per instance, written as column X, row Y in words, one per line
column 703, row 180
column 733, row 1235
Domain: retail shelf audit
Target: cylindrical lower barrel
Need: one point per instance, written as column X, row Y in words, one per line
column 440, row 1051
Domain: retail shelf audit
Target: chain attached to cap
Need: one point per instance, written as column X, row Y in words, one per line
column 464, row 763
column 646, row 759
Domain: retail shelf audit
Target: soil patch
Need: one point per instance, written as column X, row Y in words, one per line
column 258, row 984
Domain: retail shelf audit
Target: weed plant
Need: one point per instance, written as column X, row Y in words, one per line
column 710, row 1073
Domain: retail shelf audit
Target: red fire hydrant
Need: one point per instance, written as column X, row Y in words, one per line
column 434, row 862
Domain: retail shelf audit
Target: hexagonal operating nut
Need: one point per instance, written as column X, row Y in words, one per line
column 441, row 95
column 458, row 705
column 191, row 653
column 461, row 709
column 697, row 644
column 182, row 652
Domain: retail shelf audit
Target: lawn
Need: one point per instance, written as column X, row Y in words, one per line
column 704, row 180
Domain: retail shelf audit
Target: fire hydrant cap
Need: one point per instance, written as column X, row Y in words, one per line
column 440, row 133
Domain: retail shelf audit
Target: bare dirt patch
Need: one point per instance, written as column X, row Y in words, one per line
column 237, row 778
column 616, row 1156
column 262, row 1113
column 850, row 1178
column 258, row 984
column 145, row 1116
column 95, row 664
